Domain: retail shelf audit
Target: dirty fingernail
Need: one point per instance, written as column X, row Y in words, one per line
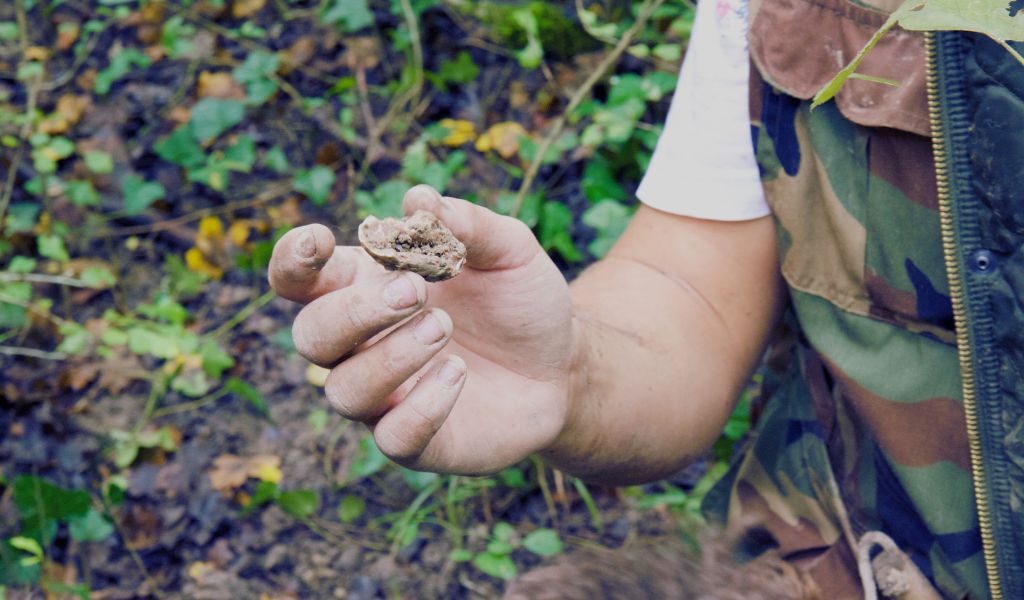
column 429, row 330
column 401, row 293
column 451, row 372
column 305, row 246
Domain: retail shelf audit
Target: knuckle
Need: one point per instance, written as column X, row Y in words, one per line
column 397, row 443
column 345, row 400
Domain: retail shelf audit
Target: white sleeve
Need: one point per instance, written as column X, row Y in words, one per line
column 704, row 163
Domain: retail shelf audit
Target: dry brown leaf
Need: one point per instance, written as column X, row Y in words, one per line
column 180, row 114
column 67, row 35
column 39, row 53
column 246, row 8
column 153, row 11
column 298, row 54
column 68, row 111
column 141, row 526
column 228, row 472
column 287, row 213
column 220, row 85
column 361, row 53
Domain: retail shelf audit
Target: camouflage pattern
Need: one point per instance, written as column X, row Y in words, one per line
column 865, row 429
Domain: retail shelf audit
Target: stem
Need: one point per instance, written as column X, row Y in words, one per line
column 187, row 406
column 41, row 278
column 30, row 108
column 613, row 57
column 32, row 352
column 245, row 313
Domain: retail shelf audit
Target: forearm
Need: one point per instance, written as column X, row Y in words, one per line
column 658, row 365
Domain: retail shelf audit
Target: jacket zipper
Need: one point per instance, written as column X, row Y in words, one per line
column 956, row 294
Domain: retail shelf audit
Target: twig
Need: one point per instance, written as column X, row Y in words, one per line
column 187, row 406
column 245, row 313
column 41, row 278
column 34, row 310
column 613, row 57
column 32, row 352
column 545, row 491
column 272, row 192
column 154, row 588
column 30, row 108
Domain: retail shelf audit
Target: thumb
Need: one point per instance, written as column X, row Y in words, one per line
column 492, row 241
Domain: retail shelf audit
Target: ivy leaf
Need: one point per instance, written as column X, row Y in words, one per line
column 52, row 246
column 39, row 501
column 555, row 224
column 139, row 193
column 543, row 542
column 99, row 162
column 315, row 183
column 496, row 565
column 213, row 116
column 180, row 148
column 347, row 15
column 119, row 66
column 91, row 527
column 609, row 218
column 299, row 503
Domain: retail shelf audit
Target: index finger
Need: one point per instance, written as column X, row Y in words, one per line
column 306, row 264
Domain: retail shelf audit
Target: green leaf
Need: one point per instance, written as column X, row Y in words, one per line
column 543, row 542
column 266, row 491
column 299, row 503
column 164, row 308
column 460, row 555
column 609, row 218
column 419, row 480
column 369, row 459
column 52, row 246
column 384, row 201
column 599, row 183
column 91, row 527
column 347, row 15
column 22, row 264
column 120, row 65
column 460, row 70
column 249, row 394
column 276, row 161
column 317, row 418
column 180, row 148
column 530, row 56
column 351, row 508
column 241, row 155
column 82, row 193
column 555, row 224
column 192, row 383
column 39, row 501
column 496, row 565
column 990, row 17
column 8, row 31
column 98, row 277
column 139, row 193
column 256, row 74
column 216, row 361
column 142, row 340
column 27, row 544
column 99, row 162
column 315, row 183
column 22, row 217
column 213, row 116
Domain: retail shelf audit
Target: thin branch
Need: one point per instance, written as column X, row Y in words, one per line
column 41, row 278
column 245, row 313
column 32, row 352
column 187, row 406
column 581, row 94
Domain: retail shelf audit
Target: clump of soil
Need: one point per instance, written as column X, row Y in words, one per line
column 419, row 243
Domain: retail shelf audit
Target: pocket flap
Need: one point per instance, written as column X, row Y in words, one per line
column 800, row 45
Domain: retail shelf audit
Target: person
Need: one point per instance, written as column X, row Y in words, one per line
column 877, row 267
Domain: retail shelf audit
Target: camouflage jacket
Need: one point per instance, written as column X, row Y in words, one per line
column 899, row 404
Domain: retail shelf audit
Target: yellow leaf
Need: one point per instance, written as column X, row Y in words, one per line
column 217, row 181
column 265, row 467
column 38, row 53
column 200, row 569
column 50, row 153
column 246, row 8
column 211, row 228
column 197, row 262
column 501, row 137
column 460, row 131
column 316, row 375
column 219, row 85
column 228, row 472
column 238, row 232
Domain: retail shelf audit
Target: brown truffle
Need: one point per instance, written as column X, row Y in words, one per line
column 419, row 243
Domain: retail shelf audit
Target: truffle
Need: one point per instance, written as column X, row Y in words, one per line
column 419, row 243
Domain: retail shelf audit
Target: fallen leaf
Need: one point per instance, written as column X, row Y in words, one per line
column 197, row 262
column 460, row 131
column 246, row 8
column 238, row 232
column 298, row 54
column 502, row 137
column 69, row 110
column 287, row 213
column 153, row 11
column 219, row 85
column 228, row 472
column 67, row 35
column 180, row 114
column 316, row 375
column 265, row 467
column 200, row 569
column 38, row 53
column 361, row 53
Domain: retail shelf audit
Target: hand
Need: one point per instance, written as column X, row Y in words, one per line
column 464, row 376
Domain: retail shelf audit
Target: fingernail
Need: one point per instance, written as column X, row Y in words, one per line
column 305, row 246
column 429, row 330
column 451, row 373
column 401, row 293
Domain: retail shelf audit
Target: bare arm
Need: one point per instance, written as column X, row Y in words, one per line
column 668, row 328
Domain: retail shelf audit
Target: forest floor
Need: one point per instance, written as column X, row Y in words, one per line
column 159, row 435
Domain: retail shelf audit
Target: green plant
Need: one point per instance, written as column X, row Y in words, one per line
column 496, row 559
